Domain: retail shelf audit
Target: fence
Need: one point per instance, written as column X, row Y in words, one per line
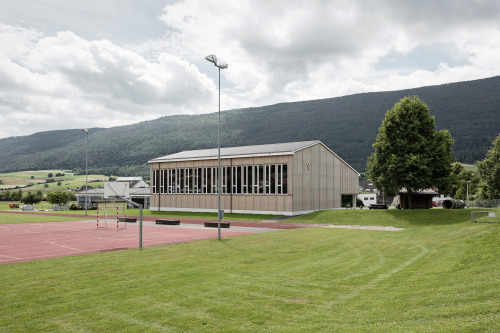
column 493, row 203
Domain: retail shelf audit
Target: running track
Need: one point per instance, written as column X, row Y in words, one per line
column 33, row 241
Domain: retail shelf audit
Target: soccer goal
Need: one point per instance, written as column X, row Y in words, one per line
column 485, row 216
column 110, row 215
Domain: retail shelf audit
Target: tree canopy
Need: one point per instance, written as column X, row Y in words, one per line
column 489, row 172
column 464, row 183
column 409, row 152
column 31, row 199
column 59, row 197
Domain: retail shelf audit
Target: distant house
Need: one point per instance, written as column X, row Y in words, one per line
column 368, row 198
column 367, row 186
column 139, row 192
column 134, row 182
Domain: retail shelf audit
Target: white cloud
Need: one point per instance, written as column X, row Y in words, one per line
column 277, row 52
column 319, row 49
column 65, row 81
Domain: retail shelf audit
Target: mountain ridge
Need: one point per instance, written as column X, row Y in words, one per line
column 348, row 125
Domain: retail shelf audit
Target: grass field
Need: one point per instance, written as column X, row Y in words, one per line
column 68, row 181
column 440, row 274
column 194, row 215
column 146, row 212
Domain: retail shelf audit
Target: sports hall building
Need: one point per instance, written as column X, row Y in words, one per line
column 284, row 178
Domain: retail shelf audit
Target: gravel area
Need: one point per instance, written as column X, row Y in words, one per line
column 364, row 227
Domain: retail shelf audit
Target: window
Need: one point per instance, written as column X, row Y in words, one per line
column 247, row 180
column 179, row 181
column 188, row 181
column 236, row 179
column 281, row 179
column 214, row 180
column 226, row 180
column 270, row 179
column 207, row 176
column 156, row 176
column 258, row 177
column 163, row 181
column 197, row 180
column 171, row 180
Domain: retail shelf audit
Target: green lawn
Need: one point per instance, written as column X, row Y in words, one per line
column 387, row 217
column 146, row 212
column 440, row 274
column 194, row 215
column 6, row 218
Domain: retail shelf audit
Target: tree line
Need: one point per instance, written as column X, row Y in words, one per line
column 28, row 198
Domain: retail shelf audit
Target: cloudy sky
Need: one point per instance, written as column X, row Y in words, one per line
column 103, row 63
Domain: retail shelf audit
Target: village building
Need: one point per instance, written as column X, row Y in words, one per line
column 284, row 178
column 138, row 192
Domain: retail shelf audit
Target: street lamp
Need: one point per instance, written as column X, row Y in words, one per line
column 86, row 131
column 213, row 59
column 468, row 193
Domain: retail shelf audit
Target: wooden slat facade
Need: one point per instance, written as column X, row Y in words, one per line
column 317, row 178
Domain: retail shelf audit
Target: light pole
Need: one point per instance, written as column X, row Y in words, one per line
column 468, row 193
column 213, row 59
column 86, row 131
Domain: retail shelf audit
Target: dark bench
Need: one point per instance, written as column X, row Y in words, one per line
column 215, row 224
column 127, row 219
column 378, row 206
column 168, row 222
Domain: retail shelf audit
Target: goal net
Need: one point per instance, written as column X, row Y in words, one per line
column 485, row 216
column 111, row 215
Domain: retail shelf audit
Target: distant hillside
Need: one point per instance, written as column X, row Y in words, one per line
column 348, row 125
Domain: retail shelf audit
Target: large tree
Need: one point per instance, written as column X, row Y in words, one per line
column 31, row 199
column 59, row 197
column 409, row 152
column 489, row 172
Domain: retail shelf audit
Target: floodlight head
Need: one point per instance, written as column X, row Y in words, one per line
column 212, row 58
column 222, row 66
column 85, row 130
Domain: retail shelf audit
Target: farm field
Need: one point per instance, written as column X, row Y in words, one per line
column 69, row 181
column 438, row 274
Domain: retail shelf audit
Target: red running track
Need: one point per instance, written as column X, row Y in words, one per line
column 34, row 241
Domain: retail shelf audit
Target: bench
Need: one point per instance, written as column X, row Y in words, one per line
column 168, row 222
column 215, row 224
column 127, row 219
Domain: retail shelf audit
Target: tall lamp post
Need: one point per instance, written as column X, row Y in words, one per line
column 86, row 131
column 213, row 59
column 467, row 205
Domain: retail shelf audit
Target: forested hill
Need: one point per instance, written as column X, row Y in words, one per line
column 348, row 125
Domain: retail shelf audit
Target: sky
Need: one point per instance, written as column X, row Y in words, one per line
column 104, row 63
